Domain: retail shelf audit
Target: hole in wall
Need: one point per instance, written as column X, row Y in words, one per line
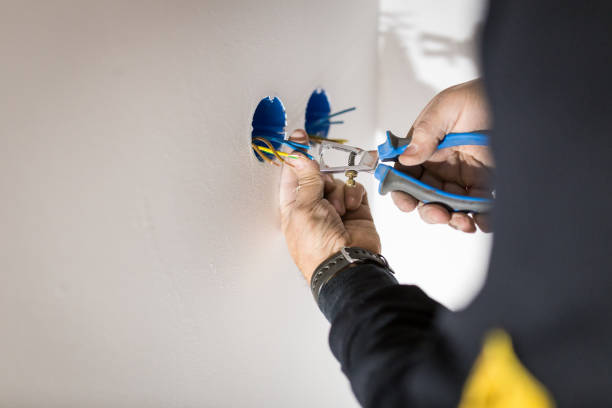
column 319, row 117
column 269, row 121
column 317, row 109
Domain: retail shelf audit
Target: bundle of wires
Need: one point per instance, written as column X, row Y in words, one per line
column 270, row 120
column 318, row 117
column 268, row 135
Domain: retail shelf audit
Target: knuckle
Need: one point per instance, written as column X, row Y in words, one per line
column 424, row 126
column 450, row 92
column 321, row 211
column 311, row 180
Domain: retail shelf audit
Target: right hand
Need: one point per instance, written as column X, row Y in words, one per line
column 462, row 170
column 320, row 215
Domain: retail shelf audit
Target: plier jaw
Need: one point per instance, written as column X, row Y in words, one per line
column 339, row 158
column 357, row 159
column 354, row 160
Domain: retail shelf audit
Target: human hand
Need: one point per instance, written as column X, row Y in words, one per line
column 320, row 215
column 462, row 170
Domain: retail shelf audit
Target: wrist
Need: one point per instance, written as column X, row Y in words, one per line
column 345, row 258
column 310, row 262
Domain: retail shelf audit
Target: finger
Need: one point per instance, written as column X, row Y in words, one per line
column 361, row 213
column 335, row 195
column 353, row 196
column 430, row 178
column 309, row 189
column 462, row 222
column 330, row 192
column 299, row 136
column 443, row 113
column 480, row 192
column 479, row 163
column 288, row 178
column 328, row 183
column 459, row 221
column 484, row 222
column 454, row 188
column 364, row 199
column 434, row 214
column 403, row 201
column 428, row 130
column 414, row 171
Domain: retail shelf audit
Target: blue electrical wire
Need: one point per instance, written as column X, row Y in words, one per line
column 322, row 120
column 294, row 145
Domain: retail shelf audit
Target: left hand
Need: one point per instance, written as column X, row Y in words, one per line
column 320, row 215
column 460, row 169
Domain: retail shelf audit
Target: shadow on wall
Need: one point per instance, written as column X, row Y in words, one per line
column 402, row 94
column 435, row 45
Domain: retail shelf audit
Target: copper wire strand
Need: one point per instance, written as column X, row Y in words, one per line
column 274, row 151
column 283, row 154
column 262, row 155
column 267, row 143
column 318, row 139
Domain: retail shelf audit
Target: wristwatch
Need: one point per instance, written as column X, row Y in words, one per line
column 340, row 260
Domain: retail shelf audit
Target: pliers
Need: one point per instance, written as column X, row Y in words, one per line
column 392, row 179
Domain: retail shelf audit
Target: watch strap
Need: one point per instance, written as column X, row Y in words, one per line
column 340, row 260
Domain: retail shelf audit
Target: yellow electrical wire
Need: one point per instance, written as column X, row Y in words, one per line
column 262, row 156
column 271, row 150
column 283, row 154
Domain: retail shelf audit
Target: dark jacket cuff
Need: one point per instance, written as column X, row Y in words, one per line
column 353, row 285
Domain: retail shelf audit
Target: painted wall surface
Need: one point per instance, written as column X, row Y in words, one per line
column 141, row 259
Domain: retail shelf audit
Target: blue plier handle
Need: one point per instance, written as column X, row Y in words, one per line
column 394, row 180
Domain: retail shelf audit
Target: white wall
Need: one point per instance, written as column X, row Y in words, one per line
column 141, row 261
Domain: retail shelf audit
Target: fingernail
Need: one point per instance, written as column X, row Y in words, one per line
column 453, row 225
column 299, row 134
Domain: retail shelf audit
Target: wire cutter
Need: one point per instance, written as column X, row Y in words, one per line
column 392, row 179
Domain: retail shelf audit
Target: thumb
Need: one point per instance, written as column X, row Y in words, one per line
column 298, row 176
column 309, row 189
column 430, row 127
column 426, row 136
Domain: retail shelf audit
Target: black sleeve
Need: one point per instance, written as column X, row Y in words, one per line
column 381, row 333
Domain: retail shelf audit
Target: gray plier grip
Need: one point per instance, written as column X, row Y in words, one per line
column 394, row 180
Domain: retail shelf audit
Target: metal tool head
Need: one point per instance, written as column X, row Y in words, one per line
column 338, row 158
